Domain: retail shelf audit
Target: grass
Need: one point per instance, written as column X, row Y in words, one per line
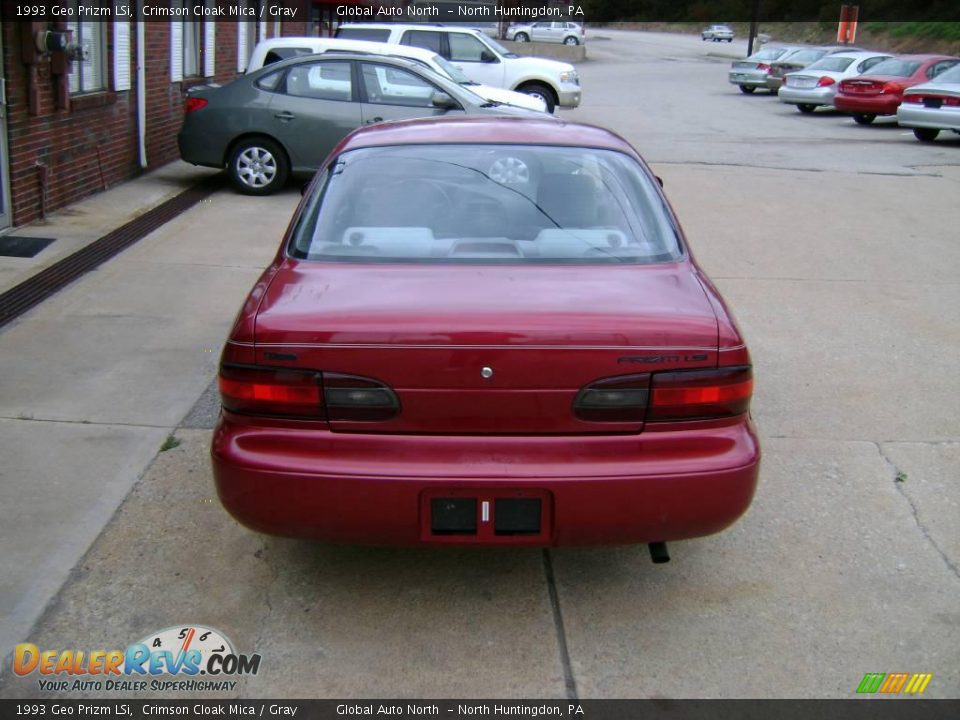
column 170, row 443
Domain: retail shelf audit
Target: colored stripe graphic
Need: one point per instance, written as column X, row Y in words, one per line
column 894, row 683
column 871, row 682
column 918, row 683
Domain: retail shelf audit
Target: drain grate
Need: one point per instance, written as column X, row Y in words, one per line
column 22, row 247
column 20, row 298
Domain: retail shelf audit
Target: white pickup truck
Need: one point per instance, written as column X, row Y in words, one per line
column 480, row 58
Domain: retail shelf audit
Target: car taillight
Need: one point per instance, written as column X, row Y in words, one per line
column 354, row 398
column 913, row 99
column 951, row 102
column 616, row 399
column 763, row 67
column 194, row 103
column 825, row 81
column 892, row 87
column 700, row 394
column 271, row 391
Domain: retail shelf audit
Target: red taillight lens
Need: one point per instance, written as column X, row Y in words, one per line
column 951, row 102
column 267, row 391
column 918, row 99
column 360, row 399
column 194, row 103
column 892, row 87
column 617, row 399
column 825, row 81
column 763, row 67
column 700, row 394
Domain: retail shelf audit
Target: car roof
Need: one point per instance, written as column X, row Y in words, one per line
column 409, row 26
column 330, row 45
column 347, row 55
column 486, row 130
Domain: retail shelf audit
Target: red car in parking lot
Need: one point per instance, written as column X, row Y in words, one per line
column 881, row 91
column 485, row 331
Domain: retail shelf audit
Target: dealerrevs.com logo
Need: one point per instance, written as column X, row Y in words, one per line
column 182, row 658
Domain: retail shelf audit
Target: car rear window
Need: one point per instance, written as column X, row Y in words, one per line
column 278, row 54
column 895, row 68
column 831, row 64
column 949, row 76
column 805, row 56
column 373, row 34
column 486, row 203
column 768, row 54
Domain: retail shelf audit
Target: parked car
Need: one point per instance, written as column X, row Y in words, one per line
column 568, row 33
column 798, row 60
column 880, row 92
column 285, row 118
column 480, row 58
column 276, row 49
column 933, row 106
column 445, row 353
column 751, row 72
column 717, row 33
column 816, row 85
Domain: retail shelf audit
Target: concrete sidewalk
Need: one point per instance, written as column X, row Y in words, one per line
column 96, row 377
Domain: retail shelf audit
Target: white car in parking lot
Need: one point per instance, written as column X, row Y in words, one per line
column 480, row 58
column 932, row 107
column 816, row 85
column 276, row 49
column 568, row 33
column 717, row 33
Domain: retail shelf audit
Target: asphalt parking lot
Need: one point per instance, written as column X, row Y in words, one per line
column 834, row 244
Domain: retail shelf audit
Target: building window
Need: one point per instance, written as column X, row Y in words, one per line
column 192, row 30
column 88, row 74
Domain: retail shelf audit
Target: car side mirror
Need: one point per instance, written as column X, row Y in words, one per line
column 487, row 57
column 444, row 101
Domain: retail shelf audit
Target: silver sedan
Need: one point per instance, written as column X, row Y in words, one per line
column 816, row 85
column 933, row 106
column 751, row 72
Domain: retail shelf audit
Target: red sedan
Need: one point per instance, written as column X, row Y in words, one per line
column 485, row 332
column 880, row 92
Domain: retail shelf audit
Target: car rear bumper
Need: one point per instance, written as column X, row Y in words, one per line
column 871, row 105
column 807, row 96
column 200, row 148
column 924, row 117
column 750, row 78
column 597, row 489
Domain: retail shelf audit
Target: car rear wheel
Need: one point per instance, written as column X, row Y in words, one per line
column 258, row 166
column 539, row 90
column 864, row 118
column 747, row 89
column 925, row 134
column 571, row 41
column 521, row 37
column 806, row 109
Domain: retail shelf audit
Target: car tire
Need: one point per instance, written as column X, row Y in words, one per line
column 541, row 91
column 258, row 166
column 806, row 108
column 925, row 134
column 571, row 41
column 521, row 37
column 746, row 89
column 864, row 118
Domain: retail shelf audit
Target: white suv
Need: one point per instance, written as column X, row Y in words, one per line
column 480, row 58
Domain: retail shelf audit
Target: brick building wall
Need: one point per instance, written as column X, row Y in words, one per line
column 59, row 154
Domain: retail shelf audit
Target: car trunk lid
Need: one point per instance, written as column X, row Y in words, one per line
column 481, row 349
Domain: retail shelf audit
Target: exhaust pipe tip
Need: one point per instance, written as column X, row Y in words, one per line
column 658, row 553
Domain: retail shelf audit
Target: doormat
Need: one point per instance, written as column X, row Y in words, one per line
column 22, row 247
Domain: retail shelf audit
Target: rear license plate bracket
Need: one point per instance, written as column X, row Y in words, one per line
column 486, row 515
